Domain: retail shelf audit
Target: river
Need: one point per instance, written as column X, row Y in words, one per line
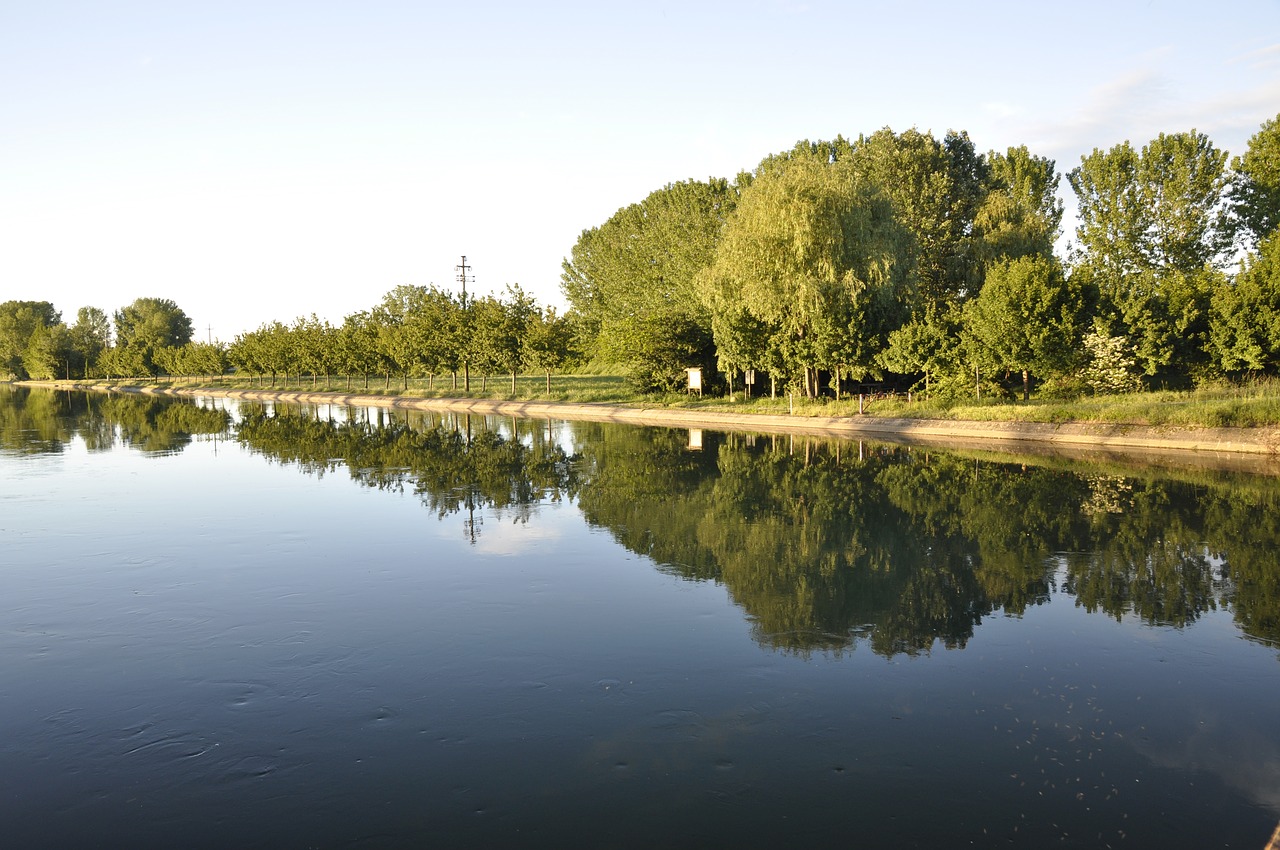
column 233, row 624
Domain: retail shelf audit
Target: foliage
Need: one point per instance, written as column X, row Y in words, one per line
column 1021, row 213
column 641, row 264
column 935, row 190
column 548, row 343
column 153, row 323
column 50, row 352
column 1153, row 230
column 1255, row 195
column 195, row 358
column 927, row 344
column 1161, row 209
column 90, row 337
column 1028, row 318
column 1245, row 322
column 816, row 260
column 1109, row 363
column 18, row 321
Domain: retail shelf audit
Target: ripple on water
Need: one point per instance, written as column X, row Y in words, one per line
column 676, row 726
column 249, row 769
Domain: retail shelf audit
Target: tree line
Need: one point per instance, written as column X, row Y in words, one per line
column 892, row 256
column 903, row 255
column 413, row 331
column 416, row 331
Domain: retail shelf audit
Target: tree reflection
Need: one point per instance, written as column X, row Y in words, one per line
column 904, row 549
column 450, row 468
column 38, row 421
column 826, row 545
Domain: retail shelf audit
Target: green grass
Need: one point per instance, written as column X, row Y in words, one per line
column 1253, row 404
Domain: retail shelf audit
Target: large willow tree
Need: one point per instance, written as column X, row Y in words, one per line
column 809, row 273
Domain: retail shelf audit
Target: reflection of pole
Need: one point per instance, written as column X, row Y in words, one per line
column 470, row 523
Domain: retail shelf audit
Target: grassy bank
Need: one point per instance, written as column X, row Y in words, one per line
column 1249, row 405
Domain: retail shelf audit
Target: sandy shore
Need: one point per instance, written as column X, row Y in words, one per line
column 1257, row 449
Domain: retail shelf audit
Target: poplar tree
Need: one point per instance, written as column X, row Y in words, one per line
column 1256, row 191
column 1153, row 234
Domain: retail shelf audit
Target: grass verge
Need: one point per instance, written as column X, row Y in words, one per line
column 1248, row 405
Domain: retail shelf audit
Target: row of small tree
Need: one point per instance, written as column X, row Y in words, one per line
column 415, row 331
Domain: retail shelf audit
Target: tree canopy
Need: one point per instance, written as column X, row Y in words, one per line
column 815, row 258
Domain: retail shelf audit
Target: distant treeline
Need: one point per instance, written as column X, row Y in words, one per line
column 893, row 256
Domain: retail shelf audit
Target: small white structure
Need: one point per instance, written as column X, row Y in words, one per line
column 695, row 380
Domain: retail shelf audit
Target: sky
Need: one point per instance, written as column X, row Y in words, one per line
column 261, row 161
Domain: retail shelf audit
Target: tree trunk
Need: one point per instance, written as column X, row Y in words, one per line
column 466, row 377
column 1026, row 385
column 548, row 382
column 513, row 381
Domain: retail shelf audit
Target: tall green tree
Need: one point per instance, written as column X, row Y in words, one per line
column 90, row 337
column 815, row 255
column 1255, row 194
column 936, row 189
column 1161, row 209
column 1153, row 232
column 18, row 321
column 1028, row 318
column 155, row 322
column 1245, row 324
column 634, row 274
column 1021, row 214
column 145, row 326
column 50, row 353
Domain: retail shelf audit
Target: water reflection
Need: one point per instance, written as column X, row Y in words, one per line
column 826, row 546
column 450, row 464
column 45, row 422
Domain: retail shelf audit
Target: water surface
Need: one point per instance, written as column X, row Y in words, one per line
column 236, row 625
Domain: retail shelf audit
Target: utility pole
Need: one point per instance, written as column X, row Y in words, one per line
column 463, row 268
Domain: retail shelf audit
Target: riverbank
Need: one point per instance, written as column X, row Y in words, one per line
column 1262, row 444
